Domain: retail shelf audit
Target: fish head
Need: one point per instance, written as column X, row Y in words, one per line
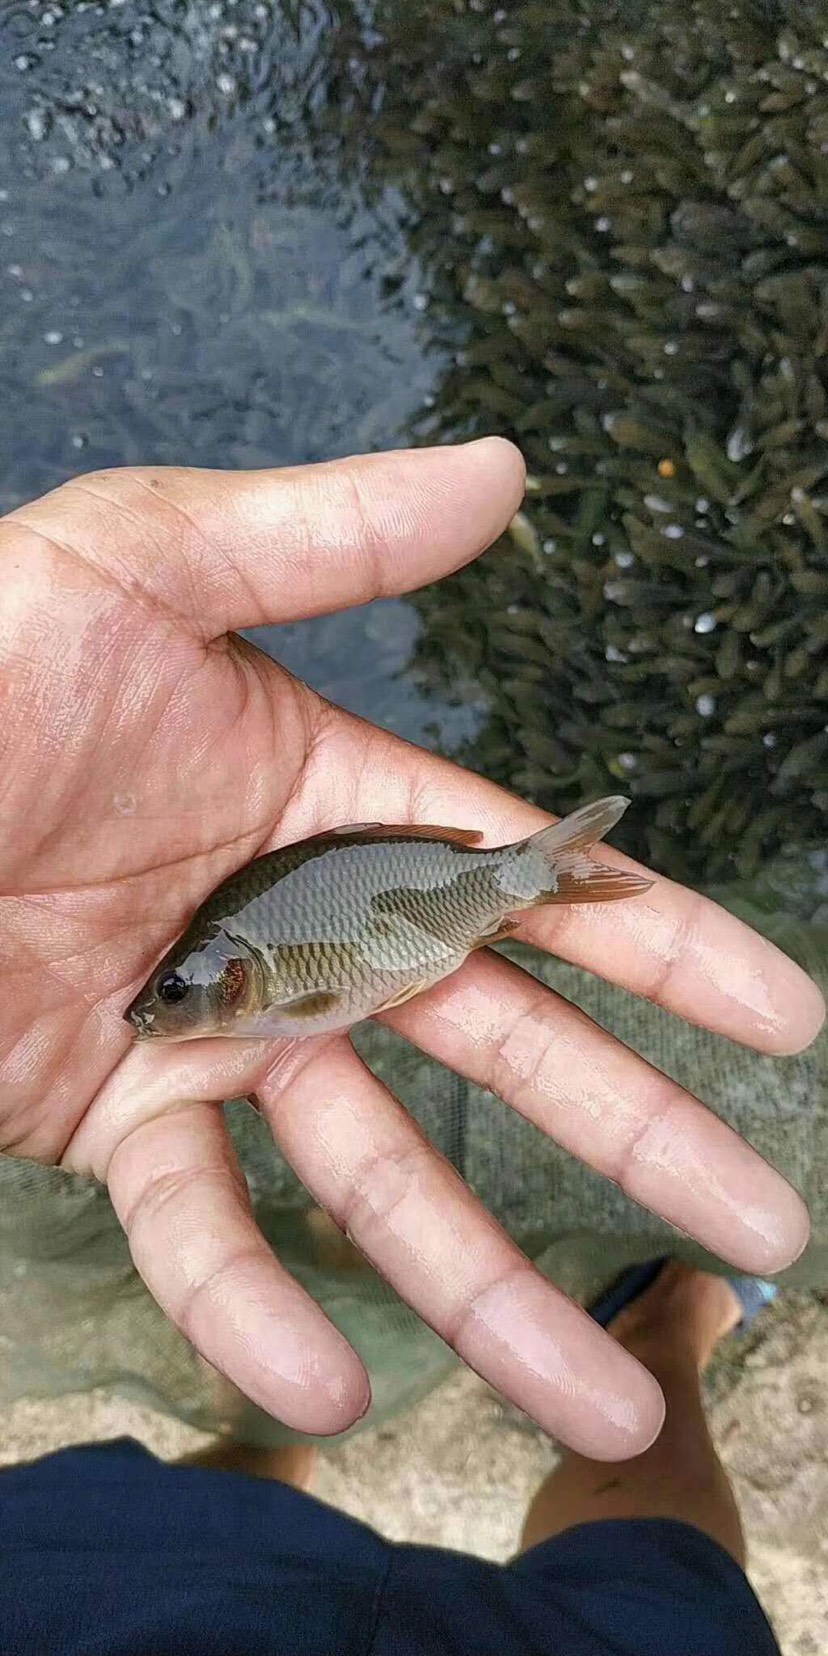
column 198, row 989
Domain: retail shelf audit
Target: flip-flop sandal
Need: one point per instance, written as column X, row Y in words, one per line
column 753, row 1293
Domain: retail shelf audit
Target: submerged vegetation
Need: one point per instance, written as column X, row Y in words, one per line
column 623, row 213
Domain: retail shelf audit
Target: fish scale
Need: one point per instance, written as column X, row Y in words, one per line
column 443, row 895
column 315, row 936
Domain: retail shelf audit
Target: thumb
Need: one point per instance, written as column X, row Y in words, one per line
column 225, row 550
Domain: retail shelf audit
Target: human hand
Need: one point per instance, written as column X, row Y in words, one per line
column 145, row 753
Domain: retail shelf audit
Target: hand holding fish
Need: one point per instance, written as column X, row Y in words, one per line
column 147, row 757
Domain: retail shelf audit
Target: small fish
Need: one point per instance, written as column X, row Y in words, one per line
column 316, row 936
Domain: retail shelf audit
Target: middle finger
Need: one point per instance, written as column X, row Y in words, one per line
column 408, row 1210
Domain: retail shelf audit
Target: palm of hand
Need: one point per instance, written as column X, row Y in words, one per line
column 145, row 754
column 176, row 773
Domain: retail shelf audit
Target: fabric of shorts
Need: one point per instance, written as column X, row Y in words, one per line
column 107, row 1551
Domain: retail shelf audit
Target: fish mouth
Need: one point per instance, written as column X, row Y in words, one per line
column 141, row 1020
column 146, row 1027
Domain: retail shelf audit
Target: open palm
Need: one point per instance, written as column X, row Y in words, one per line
column 145, row 753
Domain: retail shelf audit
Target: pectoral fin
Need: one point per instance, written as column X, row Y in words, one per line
column 315, row 1005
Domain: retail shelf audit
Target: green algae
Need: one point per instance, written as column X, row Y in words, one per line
column 623, row 215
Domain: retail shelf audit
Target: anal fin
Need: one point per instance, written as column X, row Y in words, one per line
column 314, row 1005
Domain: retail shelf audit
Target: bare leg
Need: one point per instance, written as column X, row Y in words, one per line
column 290, row 1463
column 674, row 1329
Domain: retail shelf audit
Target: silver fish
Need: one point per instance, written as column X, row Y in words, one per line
column 318, row 935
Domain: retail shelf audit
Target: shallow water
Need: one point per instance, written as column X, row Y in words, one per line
column 183, row 282
column 246, row 233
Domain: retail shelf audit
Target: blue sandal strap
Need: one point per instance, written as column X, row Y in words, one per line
column 626, row 1288
column 753, row 1293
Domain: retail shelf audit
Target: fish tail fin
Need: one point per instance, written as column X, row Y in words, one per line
column 576, row 878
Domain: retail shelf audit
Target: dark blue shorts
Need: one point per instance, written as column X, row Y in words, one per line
column 105, row 1551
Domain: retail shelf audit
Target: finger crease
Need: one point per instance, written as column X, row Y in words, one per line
column 453, row 1327
column 501, row 1069
column 166, row 1187
column 360, row 1203
column 634, row 1152
column 185, row 1308
column 364, row 538
column 658, row 989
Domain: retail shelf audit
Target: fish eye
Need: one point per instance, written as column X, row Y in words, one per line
column 172, row 988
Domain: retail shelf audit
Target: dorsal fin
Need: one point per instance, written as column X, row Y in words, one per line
column 404, row 830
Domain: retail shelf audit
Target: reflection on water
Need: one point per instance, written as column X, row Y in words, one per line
column 382, row 637
column 182, row 278
column 185, row 280
column 237, row 234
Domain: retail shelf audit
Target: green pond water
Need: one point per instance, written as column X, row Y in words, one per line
column 241, row 234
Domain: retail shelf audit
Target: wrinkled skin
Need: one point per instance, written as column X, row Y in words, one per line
column 144, row 754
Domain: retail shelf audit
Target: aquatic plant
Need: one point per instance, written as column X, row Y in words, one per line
column 623, row 212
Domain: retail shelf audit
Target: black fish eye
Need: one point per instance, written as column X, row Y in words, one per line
column 172, row 987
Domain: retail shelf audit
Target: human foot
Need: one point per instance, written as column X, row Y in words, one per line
column 685, row 1308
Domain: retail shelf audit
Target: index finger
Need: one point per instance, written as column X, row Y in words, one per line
column 181, row 1198
column 156, row 1137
